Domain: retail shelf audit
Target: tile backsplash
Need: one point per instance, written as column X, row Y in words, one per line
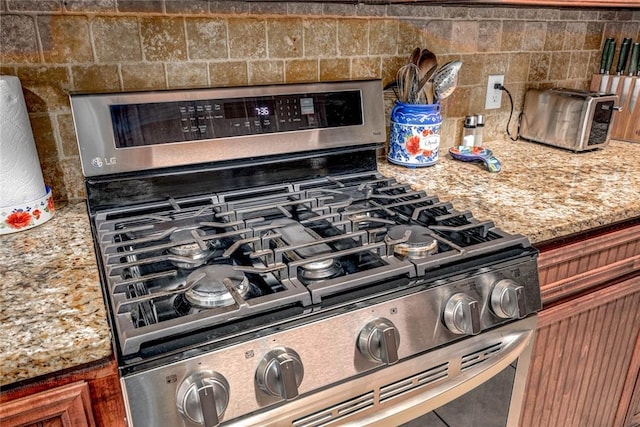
column 61, row 46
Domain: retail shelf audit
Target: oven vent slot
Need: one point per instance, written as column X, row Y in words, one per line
column 479, row 356
column 336, row 412
column 414, row 382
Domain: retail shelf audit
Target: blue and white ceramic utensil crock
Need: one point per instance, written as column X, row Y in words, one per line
column 414, row 137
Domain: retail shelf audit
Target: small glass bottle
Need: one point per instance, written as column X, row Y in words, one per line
column 469, row 131
column 478, row 141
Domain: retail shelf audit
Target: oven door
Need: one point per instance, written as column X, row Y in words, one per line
column 476, row 382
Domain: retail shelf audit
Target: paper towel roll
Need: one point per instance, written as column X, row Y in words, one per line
column 20, row 174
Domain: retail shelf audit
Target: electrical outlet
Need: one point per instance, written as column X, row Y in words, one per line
column 494, row 96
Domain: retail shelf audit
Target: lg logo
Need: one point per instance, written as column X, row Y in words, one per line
column 98, row 162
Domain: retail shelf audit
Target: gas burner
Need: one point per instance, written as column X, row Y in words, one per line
column 321, row 270
column 195, row 252
column 211, row 286
column 411, row 241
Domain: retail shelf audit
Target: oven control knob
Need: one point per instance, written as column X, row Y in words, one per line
column 507, row 300
column 379, row 341
column 203, row 398
column 462, row 314
column 280, row 373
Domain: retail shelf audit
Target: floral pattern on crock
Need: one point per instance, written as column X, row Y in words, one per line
column 21, row 218
column 418, row 144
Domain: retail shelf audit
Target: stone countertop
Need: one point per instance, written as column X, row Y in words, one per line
column 52, row 314
column 53, row 317
column 542, row 192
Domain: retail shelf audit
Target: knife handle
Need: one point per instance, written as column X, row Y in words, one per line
column 624, row 52
column 635, row 57
column 605, row 52
column 609, row 58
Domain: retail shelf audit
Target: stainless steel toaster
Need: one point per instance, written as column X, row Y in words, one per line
column 577, row 120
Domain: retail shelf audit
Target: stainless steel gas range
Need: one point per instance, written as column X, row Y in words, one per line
column 259, row 271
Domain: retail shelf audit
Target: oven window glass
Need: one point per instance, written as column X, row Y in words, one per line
column 485, row 406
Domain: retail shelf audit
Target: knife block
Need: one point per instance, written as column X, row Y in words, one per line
column 626, row 123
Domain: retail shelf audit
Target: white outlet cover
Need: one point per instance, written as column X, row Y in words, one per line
column 494, row 96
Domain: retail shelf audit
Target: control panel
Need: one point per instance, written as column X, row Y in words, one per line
column 144, row 124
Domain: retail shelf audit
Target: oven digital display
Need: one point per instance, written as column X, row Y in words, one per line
column 136, row 125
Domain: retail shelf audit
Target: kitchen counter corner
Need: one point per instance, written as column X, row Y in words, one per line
column 542, row 192
column 53, row 315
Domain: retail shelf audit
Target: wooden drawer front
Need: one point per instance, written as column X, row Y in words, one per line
column 580, row 266
column 581, row 359
column 65, row 406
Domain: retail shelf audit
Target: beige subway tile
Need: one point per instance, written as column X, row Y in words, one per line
column 410, row 36
column 438, row 35
column 477, row 98
column 304, row 9
column 46, row 88
column 65, row 39
column 247, row 38
column 465, row 37
column 579, row 65
column 187, row 74
column 559, row 66
column 455, row 12
column 383, row 36
column 90, row 5
column 73, row 179
column 459, row 103
column 67, row 136
column 43, row 134
column 206, row 38
column 127, row 31
column 34, row 5
column 95, row 78
column 268, row 7
column 334, row 69
column 339, row 9
column 593, row 36
column 450, row 134
column 265, row 72
column 496, row 63
column 539, row 66
column 19, row 40
column 512, row 36
column 285, row 38
column 365, row 68
column 353, row 37
column 301, row 70
column 471, row 72
column 320, row 37
column 390, row 66
column 53, row 175
column 535, row 35
column 554, row 39
column 518, row 70
column 163, row 38
column 489, row 36
column 228, row 73
column 575, row 35
column 186, row 6
column 570, row 14
column 143, row 76
column 145, row 6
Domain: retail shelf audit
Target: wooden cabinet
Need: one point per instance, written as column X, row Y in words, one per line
column 67, row 406
column 586, row 357
column 87, row 396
